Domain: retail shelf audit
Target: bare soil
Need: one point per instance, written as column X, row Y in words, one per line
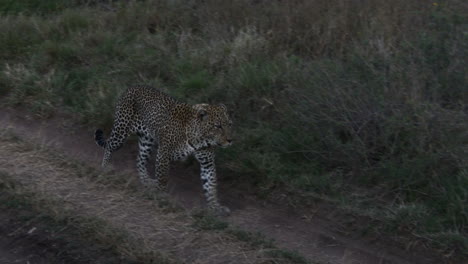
column 304, row 231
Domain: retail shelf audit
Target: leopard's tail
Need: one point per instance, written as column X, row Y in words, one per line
column 99, row 138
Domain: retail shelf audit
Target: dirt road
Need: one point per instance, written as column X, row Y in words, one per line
column 310, row 235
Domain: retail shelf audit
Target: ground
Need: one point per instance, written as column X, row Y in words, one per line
column 43, row 166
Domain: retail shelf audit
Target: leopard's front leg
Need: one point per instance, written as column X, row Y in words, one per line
column 208, row 177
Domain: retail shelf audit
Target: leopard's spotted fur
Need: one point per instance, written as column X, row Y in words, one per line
column 177, row 129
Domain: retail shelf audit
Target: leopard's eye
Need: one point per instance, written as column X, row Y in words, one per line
column 218, row 126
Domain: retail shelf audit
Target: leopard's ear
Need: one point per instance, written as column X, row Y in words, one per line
column 202, row 114
column 223, row 106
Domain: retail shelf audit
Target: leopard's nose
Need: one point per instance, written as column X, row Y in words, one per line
column 229, row 140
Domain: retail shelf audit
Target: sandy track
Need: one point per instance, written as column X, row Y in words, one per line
column 311, row 237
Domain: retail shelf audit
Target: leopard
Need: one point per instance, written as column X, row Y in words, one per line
column 174, row 130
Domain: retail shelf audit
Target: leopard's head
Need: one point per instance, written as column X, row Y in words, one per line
column 213, row 125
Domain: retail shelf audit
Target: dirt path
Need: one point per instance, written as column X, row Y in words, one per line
column 145, row 225
column 309, row 236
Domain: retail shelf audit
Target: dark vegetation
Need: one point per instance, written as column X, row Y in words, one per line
column 362, row 103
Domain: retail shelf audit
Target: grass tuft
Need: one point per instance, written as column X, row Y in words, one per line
column 206, row 221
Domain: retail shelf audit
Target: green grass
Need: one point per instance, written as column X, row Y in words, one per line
column 33, row 7
column 329, row 99
column 206, row 221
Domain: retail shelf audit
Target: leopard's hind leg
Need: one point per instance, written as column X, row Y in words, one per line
column 123, row 127
column 145, row 145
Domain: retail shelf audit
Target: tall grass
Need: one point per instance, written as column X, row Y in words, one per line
column 352, row 100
